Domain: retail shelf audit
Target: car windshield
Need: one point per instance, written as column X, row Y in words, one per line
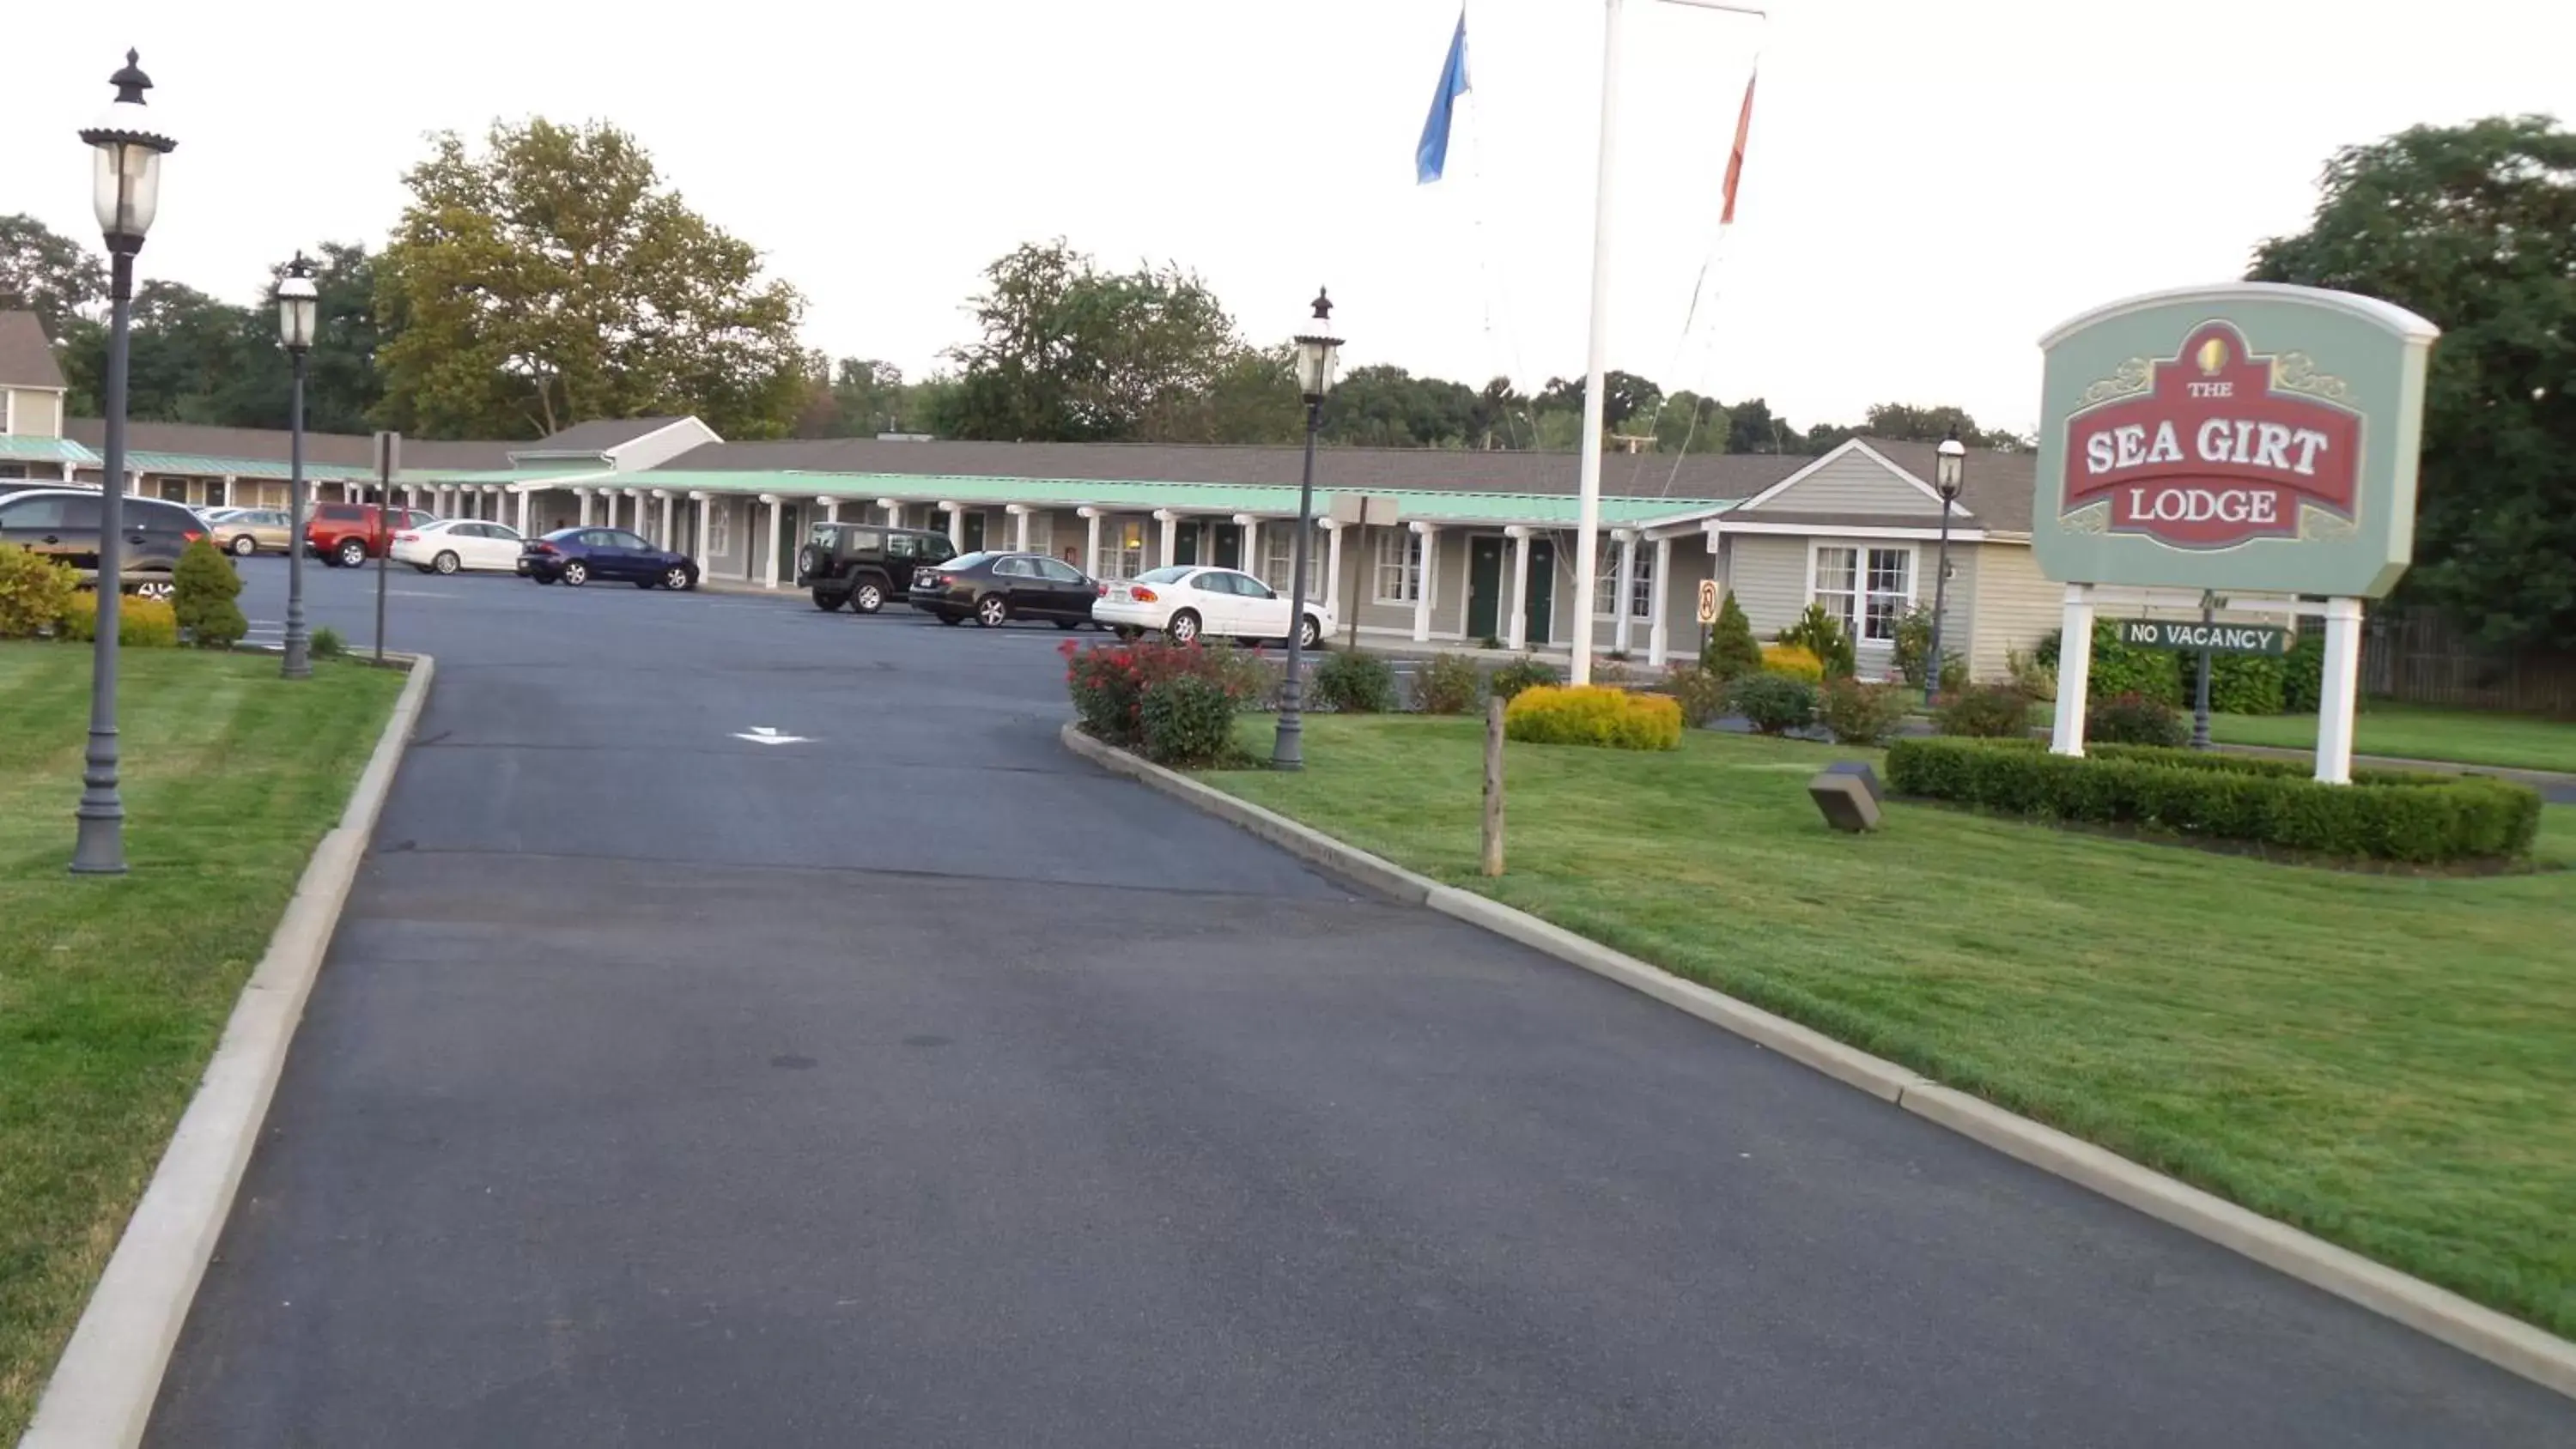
column 1169, row 575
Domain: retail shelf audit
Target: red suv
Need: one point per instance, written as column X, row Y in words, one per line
column 349, row 534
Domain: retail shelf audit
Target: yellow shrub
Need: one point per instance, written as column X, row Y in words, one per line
column 1793, row 660
column 1591, row 714
column 140, row 623
column 34, row 591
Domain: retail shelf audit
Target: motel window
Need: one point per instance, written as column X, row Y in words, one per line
column 1122, row 550
column 1605, row 583
column 1278, row 564
column 1399, row 566
column 5, row 396
column 1868, row 589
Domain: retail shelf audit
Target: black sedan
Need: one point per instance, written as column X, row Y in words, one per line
column 575, row 556
column 994, row 588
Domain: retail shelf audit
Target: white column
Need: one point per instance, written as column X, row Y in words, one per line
column 1659, row 634
column 2337, row 694
column 669, row 538
column 2075, row 671
column 698, row 531
column 831, row 509
column 1171, row 535
column 1020, row 527
column 1430, row 536
column 228, row 490
column 1251, row 527
column 777, row 541
column 956, row 524
column 1332, row 562
column 584, row 495
column 894, row 511
column 1627, row 588
column 527, row 508
column 1518, row 635
column 1091, row 542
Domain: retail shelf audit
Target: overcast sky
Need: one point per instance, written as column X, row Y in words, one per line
column 1931, row 185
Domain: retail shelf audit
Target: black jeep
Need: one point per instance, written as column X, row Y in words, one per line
column 865, row 565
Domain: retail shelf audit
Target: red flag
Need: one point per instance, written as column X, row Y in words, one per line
column 1735, row 158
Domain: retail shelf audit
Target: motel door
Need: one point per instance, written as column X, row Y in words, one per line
column 1485, row 563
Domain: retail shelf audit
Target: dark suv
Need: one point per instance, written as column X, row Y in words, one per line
column 866, row 566
column 62, row 524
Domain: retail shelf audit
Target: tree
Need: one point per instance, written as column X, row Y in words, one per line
column 206, row 587
column 1751, row 427
column 1906, row 423
column 553, row 278
column 1071, row 353
column 44, row 272
column 1731, row 651
column 2474, row 227
column 1690, row 423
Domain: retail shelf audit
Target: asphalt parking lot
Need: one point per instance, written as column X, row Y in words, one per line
column 905, row 1081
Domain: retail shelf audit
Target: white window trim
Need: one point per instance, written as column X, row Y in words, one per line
column 1861, row 548
column 1608, row 578
column 1281, row 534
column 1413, row 552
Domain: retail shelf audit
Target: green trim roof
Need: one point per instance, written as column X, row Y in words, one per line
column 469, row 477
column 205, row 465
column 30, row 448
column 1427, row 505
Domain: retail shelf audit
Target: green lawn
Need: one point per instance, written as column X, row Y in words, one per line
column 2420, row 732
column 114, row 990
column 2385, row 1061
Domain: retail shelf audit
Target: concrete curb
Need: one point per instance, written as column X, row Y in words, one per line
column 2436, row 1312
column 103, row 1388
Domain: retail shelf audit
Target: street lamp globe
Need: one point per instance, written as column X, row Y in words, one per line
column 1951, row 466
column 1319, row 353
column 297, row 302
column 127, row 147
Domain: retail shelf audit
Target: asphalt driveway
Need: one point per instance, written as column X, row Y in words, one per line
column 914, row 1084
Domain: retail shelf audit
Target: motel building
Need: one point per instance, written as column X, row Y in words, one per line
column 1479, row 546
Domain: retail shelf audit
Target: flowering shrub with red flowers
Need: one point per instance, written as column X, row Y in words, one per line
column 1109, row 682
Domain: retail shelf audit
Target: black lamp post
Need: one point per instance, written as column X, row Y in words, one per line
column 1950, row 467
column 1318, row 354
column 126, row 189
column 297, row 302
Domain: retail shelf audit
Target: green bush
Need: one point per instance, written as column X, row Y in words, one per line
column 2122, row 668
column 2029, row 675
column 326, row 643
column 2238, row 683
column 1701, row 695
column 2303, row 673
column 2409, row 818
column 1855, row 713
column 1354, row 681
column 140, row 623
column 2134, row 719
column 1186, row 720
column 1985, row 711
column 1914, row 650
column 1527, row 672
column 1821, row 634
column 1772, row 703
column 35, row 592
column 1448, row 684
column 206, row 586
column 1731, row 651
column 1593, row 714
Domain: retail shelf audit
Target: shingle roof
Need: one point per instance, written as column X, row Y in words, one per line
column 26, row 358
column 1643, row 475
column 598, row 435
column 339, row 451
column 1996, row 487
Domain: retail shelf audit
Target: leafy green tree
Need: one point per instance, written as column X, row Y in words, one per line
column 554, row 278
column 1906, row 423
column 1731, row 651
column 205, row 586
column 44, row 272
column 2473, row 227
column 1751, row 427
column 1690, row 423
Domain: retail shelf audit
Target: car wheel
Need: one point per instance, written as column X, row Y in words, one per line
column 352, row 553
column 828, row 602
column 420, row 568
column 952, row 620
column 447, row 562
column 867, row 597
column 546, row 579
column 1069, row 625
column 678, row 580
column 244, row 546
column 1127, row 632
column 1184, row 626
column 576, row 573
column 992, row 611
column 1310, row 632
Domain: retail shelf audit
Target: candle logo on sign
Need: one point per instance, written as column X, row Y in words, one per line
column 2223, row 446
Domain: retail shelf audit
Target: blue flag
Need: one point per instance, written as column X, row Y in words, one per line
column 1433, row 152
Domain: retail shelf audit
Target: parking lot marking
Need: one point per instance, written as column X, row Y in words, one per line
column 765, row 735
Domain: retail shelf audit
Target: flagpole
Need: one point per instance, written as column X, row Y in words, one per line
column 1588, row 518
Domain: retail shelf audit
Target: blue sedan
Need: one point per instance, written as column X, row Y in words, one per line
column 575, row 556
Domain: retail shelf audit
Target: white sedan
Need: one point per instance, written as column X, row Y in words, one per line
column 1185, row 601
column 447, row 545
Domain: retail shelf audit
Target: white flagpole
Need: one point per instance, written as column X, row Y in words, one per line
column 1588, row 526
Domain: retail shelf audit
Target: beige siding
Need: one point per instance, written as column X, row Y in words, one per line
column 1959, row 605
column 2015, row 606
column 1769, row 578
column 1852, row 483
column 34, row 414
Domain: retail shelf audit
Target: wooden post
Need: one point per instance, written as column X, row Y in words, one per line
column 1493, row 787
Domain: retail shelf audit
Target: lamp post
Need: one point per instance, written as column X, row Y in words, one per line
column 297, row 302
column 1318, row 354
column 126, row 189
column 1950, row 467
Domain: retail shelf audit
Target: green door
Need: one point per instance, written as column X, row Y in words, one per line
column 1229, row 545
column 1485, row 588
column 973, row 536
column 1185, row 544
column 1542, row 589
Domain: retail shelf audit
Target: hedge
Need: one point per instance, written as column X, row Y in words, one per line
column 2414, row 819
